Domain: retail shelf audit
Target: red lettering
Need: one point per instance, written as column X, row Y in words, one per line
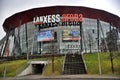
column 76, row 17
column 80, row 17
column 72, row 17
column 64, row 18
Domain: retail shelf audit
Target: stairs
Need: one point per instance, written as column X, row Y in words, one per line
column 74, row 64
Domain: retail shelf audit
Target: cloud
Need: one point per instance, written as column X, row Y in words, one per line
column 116, row 3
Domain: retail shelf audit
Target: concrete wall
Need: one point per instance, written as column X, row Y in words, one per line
column 27, row 71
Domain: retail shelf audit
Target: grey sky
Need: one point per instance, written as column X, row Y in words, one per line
column 10, row 7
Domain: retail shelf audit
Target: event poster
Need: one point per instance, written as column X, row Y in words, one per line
column 47, row 35
column 70, row 35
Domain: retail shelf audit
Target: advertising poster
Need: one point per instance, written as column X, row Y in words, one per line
column 47, row 35
column 69, row 35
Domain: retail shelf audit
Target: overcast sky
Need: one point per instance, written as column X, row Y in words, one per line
column 10, row 7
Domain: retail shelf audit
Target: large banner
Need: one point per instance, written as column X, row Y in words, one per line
column 70, row 35
column 47, row 35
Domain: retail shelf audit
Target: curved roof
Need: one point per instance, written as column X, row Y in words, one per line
column 27, row 16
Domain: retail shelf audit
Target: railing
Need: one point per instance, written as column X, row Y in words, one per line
column 12, row 58
column 74, row 64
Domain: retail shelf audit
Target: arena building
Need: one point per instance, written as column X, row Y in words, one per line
column 58, row 30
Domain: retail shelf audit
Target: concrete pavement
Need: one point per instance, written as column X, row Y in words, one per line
column 64, row 77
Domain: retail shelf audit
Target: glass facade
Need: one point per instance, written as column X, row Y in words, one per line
column 26, row 35
column 25, row 38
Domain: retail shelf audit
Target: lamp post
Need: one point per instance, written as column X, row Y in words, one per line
column 81, row 37
column 98, row 36
column 110, row 47
column 52, row 50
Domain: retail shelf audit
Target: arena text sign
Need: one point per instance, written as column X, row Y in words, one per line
column 57, row 19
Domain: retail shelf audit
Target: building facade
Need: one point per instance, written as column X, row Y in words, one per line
column 59, row 30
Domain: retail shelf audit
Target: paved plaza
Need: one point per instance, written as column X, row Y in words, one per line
column 65, row 77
